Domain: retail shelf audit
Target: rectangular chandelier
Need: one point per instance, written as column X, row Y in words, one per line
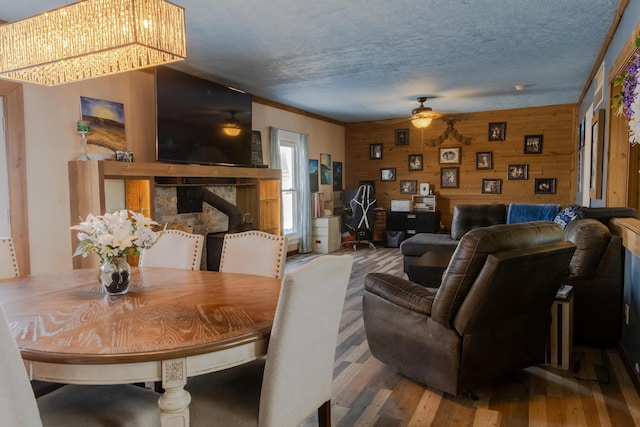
column 90, row 39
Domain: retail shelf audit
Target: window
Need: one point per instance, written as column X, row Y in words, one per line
column 289, row 153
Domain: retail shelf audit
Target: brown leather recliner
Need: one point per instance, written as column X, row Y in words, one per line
column 490, row 316
column 595, row 272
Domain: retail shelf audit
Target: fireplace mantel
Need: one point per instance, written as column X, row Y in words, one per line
column 258, row 190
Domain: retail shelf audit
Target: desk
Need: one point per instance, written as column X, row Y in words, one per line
column 172, row 324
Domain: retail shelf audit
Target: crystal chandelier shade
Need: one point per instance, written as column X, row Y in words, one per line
column 90, row 39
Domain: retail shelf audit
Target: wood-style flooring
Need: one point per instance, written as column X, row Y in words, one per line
column 368, row 393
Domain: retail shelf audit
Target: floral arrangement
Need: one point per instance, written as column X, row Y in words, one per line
column 628, row 101
column 115, row 234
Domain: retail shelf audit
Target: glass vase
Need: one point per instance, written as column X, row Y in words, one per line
column 114, row 275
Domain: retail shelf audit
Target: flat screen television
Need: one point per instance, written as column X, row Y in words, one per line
column 192, row 116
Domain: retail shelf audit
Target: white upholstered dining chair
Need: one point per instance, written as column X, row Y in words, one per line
column 8, row 262
column 295, row 378
column 72, row 405
column 174, row 249
column 254, row 252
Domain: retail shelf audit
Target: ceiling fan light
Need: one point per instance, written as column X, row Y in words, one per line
column 421, row 116
column 421, row 122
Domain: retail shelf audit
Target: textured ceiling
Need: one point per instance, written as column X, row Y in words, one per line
column 357, row 60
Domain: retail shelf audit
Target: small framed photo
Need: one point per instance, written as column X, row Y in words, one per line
column 387, row 174
column 124, row 156
column 533, row 144
column 497, row 131
column 375, row 151
column 484, row 160
column 545, row 186
column 402, row 136
column 491, row 186
column 408, row 186
column 415, row 162
column 450, row 155
column 515, row 172
column 449, row 177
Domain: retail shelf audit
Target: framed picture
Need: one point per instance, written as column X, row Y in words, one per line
column 325, row 169
column 545, row 186
column 491, row 186
column 450, row 155
column 402, row 136
column 533, row 144
column 484, row 160
column 449, row 177
column 124, row 156
column 375, row 151
column 497, row 131
column 415, row 162
column 597, row 144
column 516, row 172
column 387, row 174
column 337, row 176
column 313, row 175
column 107, row 123
column 408, row 186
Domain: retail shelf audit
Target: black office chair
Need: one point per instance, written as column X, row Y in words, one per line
column 362, row 216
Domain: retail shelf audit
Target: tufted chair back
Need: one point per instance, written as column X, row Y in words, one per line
column 254, row 252
column 8, row 263
column 174, row 249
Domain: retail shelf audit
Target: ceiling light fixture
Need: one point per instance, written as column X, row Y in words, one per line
column 92, row 38
column 421, row 116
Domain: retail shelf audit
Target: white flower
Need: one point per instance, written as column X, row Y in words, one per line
column 115, row 234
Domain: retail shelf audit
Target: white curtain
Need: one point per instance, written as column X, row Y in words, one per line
column 303, row 185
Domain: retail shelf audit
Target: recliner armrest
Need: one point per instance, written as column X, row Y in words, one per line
column 401, row 292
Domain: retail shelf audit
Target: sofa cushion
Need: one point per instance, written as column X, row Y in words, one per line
column 468, row 217
column 591, row 238
column 568, row 214
column 523, row 212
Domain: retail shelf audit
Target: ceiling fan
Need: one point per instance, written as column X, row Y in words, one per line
column 422, row 116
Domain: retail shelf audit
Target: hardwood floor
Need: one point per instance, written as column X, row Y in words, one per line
column 368, row 393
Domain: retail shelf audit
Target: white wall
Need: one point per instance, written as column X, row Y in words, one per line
column 51, row 141
column 324, row 137
column 51, row 114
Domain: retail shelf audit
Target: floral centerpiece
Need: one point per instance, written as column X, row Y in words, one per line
column 628, row 101
column 112, row 237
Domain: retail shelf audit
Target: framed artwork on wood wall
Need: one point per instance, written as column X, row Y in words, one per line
column 491, row 186
column 497, row 131
column 533, row 144
column 449, row 177
column 484, row 160
column 402, row 136
column 545, row 186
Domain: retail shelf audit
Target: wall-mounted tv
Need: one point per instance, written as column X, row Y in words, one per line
column 195, row 118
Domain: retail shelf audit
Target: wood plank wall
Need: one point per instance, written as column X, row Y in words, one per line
column 557, row 124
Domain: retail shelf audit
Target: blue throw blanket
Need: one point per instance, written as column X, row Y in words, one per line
column 522, row 212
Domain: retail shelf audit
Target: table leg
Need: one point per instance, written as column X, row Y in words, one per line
column 174, row 402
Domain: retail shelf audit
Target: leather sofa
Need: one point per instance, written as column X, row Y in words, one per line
column 596, row 269
column 489, row 317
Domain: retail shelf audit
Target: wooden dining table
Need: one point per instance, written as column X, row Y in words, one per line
column 171, row 325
